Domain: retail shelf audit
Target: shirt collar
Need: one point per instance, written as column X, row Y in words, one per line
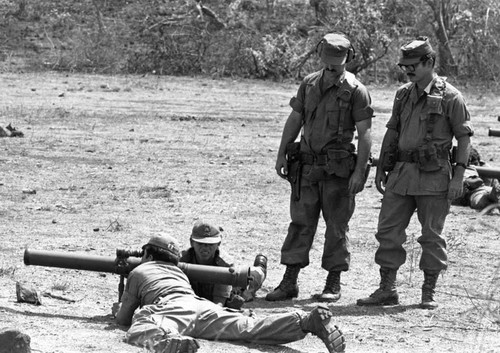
column 429, row 86
column 338, row 81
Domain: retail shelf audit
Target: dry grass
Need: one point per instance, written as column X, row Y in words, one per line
column 112, row 167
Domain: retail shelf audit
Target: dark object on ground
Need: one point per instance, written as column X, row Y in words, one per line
column 14, row 132
column 27, row 293
column 14, row 341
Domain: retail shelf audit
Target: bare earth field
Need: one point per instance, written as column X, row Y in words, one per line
column 115, row 159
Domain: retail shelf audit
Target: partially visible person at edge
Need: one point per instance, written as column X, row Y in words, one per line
column 205, row 250
column 416, row 171
column 171, row 316
column 326, row 174
column 478, row 193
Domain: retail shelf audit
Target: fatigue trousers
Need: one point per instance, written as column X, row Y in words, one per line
column 199, row 318
column 331, row 197
column 394, row 218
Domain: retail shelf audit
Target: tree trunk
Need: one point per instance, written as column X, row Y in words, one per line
column 98, row 16
column 447, row 63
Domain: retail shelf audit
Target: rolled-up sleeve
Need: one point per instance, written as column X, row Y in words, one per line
column 297, row 102
column 394, row 120
column 361, row 107
column 459, row 116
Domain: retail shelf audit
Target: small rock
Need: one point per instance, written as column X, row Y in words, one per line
column 27, row 294
column 29, row 191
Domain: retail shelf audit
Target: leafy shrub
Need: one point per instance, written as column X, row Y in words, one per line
column 246, row 38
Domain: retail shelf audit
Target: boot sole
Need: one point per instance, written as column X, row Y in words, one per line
column 428, row 306
column 330, row 334
column 333, row 339
column 394, row 301
column 322, row 299
column 280, row 299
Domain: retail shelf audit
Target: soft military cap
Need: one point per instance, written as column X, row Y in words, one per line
column 334, row 48
column 412, row 52
column 165, row 242
column 205, row 233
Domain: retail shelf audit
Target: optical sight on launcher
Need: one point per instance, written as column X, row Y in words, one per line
column 126, row 260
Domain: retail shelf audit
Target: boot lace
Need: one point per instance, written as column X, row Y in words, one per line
column 290, row 277
column 333, row 282
column 430, row 280
column 386, row 282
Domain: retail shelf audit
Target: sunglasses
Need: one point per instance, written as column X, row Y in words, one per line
column 409, row 68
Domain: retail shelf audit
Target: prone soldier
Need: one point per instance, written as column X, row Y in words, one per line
column 478, row 193
column 169, row 312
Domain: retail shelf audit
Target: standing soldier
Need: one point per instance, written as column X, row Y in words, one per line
column 427, row 113
column 323, row 168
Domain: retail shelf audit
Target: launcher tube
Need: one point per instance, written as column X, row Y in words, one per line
column 235, row 276
column 483, row 172
column 493, row 132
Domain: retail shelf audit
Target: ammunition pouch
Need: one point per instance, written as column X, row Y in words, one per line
column 390, row 157
column 294, row 168
column 428, row 157
column 339, row 162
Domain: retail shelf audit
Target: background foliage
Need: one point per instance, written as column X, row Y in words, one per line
column 246, row 38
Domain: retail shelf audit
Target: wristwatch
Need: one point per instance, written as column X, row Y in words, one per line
column 460, row 165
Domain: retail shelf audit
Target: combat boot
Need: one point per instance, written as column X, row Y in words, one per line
column 258, row 274
column 386, row 294
column 428, row 288
column 320, row 323
column 331, row 292
column 288, row 287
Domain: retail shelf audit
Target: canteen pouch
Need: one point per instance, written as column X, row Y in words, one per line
column 340, row 163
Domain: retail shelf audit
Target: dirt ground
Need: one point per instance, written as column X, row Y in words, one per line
column 114, row 159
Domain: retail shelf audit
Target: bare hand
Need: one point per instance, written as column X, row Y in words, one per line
column 455, row 189
column 282, row 167
column 380, row 178
column 357, row 182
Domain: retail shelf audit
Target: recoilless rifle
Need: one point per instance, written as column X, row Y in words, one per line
column 126, row 260
column 483, row 172
column 494, row 132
